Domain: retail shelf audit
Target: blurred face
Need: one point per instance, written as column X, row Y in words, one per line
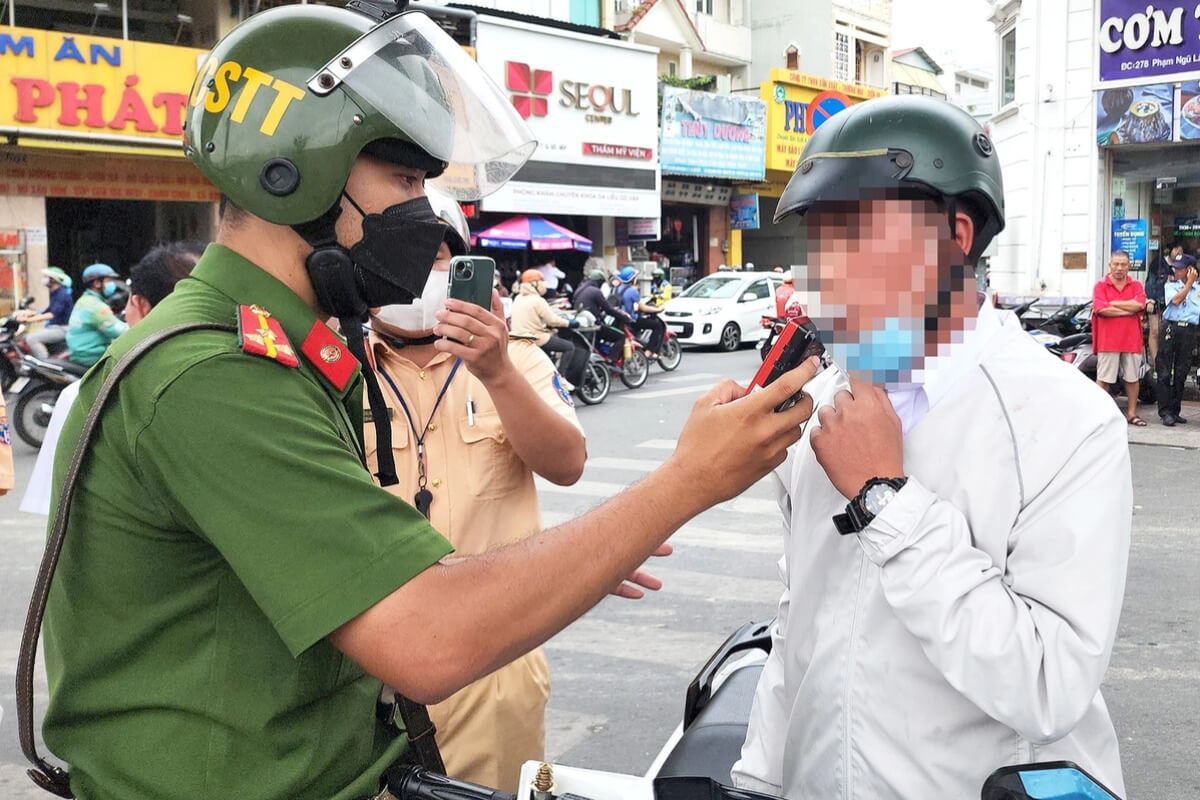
column 1118, row 267
column 878, row 271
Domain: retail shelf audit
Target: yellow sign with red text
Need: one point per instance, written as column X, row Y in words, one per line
column 94, row 88
column 798, row 104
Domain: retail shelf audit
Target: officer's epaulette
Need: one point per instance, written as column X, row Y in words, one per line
column 261, row 334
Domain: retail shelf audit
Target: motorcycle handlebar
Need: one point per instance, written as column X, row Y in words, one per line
column 415, row 783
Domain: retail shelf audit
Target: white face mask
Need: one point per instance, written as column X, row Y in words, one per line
column 418, row 317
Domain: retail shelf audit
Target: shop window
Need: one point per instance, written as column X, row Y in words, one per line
column 1008, row 67
column 841, row 56
column 671, row 68
column 704, row 7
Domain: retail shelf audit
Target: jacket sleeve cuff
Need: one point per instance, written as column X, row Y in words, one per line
column 898, row 526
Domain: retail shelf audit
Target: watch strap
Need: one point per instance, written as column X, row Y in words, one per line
column 856, row 517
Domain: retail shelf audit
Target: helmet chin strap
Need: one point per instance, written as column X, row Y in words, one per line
column 331, row 271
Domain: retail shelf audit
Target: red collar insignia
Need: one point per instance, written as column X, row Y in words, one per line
column 261, row 334
column 329, row 354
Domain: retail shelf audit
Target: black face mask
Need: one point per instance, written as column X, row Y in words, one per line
column 393, row 259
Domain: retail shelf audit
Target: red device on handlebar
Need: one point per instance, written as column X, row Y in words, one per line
column 798, row 341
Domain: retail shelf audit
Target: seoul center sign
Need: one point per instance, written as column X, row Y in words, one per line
column 531, row 88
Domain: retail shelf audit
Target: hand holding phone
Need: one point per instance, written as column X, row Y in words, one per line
column 797, row 342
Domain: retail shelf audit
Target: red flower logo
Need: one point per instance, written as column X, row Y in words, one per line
column 530, row 87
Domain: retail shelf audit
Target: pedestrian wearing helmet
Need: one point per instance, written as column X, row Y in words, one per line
column 93, row 326
column 532, row 318
column 982, row 554
column 230, row 579
column 473, row 432
column 660, row 287
column 56, row 315
column 644, row 315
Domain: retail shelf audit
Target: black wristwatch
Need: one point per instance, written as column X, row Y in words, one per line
column 867, row 504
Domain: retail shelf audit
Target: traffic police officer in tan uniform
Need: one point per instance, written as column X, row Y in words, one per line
column 232, row 589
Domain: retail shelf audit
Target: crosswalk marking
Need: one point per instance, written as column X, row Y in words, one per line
column 659, row 444
column 751, row 537
column 631, row 464
column 606, row 489
column 640, row 395
column 695, row 376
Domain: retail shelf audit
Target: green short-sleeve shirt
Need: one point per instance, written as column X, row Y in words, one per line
column 223, row 527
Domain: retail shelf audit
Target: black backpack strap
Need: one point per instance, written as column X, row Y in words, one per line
column 46, row 775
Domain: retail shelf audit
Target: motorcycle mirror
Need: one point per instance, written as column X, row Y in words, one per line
column 27, row 302
column 1054, row 780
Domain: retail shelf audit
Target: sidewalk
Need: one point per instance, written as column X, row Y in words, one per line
column 1156, row 434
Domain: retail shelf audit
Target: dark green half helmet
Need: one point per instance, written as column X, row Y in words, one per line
column 285, row 103
column 908, row 144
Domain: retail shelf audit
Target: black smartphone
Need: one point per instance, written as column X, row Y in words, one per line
column 471, row 279
column 797, row 342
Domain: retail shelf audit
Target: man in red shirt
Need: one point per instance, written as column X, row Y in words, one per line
column 1118, row 303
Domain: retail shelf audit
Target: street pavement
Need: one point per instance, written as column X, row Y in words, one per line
column 620, row 673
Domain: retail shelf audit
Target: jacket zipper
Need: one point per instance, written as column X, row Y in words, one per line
column 862, row 575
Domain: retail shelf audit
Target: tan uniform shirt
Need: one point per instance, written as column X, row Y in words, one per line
column 483, row 497
column 532, row 316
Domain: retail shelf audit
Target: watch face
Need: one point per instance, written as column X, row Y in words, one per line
column 877, row 498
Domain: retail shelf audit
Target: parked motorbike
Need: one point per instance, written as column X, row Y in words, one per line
column 697, row 759
column 1077, row 350
column 11, row 355
column 37, row 388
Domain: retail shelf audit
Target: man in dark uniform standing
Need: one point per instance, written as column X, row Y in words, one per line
column 233, row 588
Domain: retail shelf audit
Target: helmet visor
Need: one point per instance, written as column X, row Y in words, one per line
column 451, row 214
column 408, row 69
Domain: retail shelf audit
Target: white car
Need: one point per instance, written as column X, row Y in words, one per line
column 723, row 309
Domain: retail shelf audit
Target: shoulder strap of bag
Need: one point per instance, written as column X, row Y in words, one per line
column 49, row 777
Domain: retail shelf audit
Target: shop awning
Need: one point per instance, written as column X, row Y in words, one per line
column 537, row 233
column 907, row 75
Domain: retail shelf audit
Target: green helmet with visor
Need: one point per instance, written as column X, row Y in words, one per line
column 284, row 104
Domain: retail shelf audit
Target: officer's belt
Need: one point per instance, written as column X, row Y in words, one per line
column 55, row 779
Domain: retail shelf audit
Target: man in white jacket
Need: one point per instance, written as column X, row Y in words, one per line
column 959, row 614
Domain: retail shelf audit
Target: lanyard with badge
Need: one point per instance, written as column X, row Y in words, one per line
column 423, row 499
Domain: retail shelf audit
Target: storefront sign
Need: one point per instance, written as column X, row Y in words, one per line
column 1138, row 40
column 591, row 103
column 1135, row 114
column 713, row 135
column 633, row 231
column 798, row 104
column 701, row 194
column 1130, row 235
column 91, row 85
column 743, row 212
column 111, row 178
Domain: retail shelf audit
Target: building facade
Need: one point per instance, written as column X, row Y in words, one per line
column 1098, row 129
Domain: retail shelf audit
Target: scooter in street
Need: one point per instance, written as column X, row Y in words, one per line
column 37, row 387
column 696, row 761
column 11, row 352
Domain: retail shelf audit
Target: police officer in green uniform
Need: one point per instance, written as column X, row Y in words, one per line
column 233, row 589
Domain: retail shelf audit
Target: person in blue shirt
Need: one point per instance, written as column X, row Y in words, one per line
column 93, row 324
column 1181, row 316
column 56, row 315
column 643, row 314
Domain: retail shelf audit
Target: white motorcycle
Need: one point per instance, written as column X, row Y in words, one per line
column 696, row 761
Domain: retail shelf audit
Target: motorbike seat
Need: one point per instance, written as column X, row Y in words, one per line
column 1073, row 341
column 72, row 368
column 713, row 742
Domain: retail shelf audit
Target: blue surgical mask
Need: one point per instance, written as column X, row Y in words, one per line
column 887, row 354
column 109, row 289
